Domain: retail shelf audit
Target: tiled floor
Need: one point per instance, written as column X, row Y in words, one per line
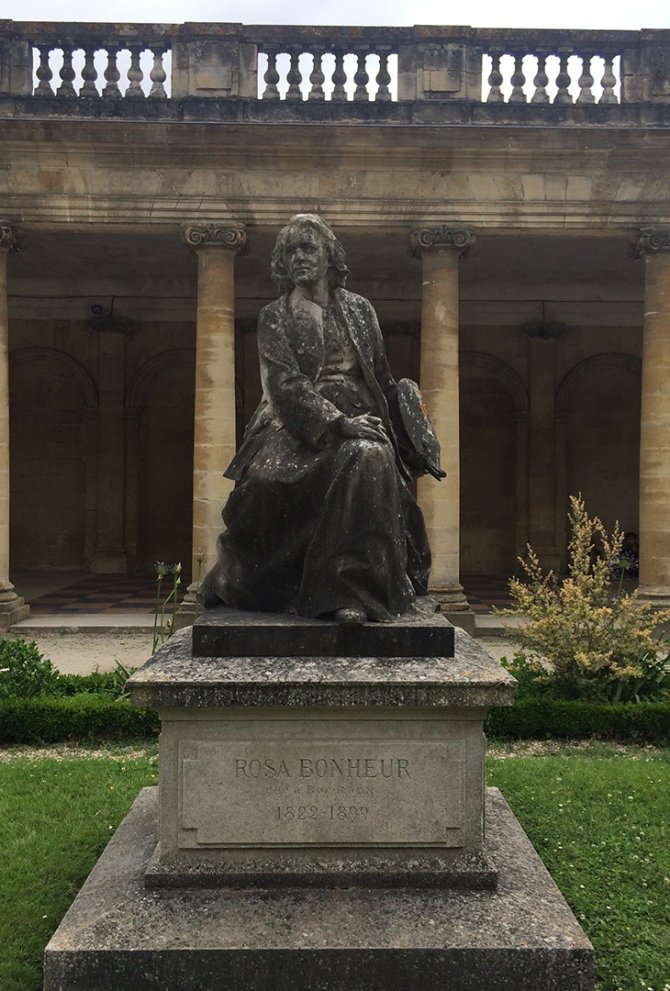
column 110, row 594
column 105, row 594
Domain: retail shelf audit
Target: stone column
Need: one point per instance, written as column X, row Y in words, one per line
column 214, row 434
column 654, row 246
column 440, row 249
column 12, row 607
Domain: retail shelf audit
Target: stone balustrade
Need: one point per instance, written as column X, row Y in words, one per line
column 108, row 63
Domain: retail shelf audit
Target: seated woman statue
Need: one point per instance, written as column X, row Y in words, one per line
column 321, row 521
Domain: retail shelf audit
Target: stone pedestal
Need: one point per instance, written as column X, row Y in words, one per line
column 322, row 822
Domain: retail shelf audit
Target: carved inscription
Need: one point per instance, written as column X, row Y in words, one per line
column 279, row 793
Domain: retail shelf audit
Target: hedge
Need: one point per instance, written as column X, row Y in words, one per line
column 631, row 722
column 48, row 719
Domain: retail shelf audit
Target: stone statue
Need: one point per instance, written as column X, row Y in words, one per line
column 322, row 520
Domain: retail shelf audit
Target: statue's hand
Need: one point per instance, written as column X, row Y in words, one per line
column 367, row 427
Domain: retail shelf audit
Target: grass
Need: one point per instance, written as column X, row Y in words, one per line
column 601, row 823
column 598, row 814
column 56, row 816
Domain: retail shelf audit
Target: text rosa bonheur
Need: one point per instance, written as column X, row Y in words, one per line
column 323, row 767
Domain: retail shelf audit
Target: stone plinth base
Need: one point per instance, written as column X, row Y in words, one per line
column 355, row 769
column 118, row 934
column 224, row 632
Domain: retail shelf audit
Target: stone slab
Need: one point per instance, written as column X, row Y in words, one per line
column 173, row 677
column 224, row 632
column 119, row 934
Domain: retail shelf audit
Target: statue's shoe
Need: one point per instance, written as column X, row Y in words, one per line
column 350, row 617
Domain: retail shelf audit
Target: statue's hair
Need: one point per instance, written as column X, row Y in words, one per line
column 337, row 269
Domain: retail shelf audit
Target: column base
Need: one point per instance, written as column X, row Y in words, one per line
column 13, row 608
column 189, row 609
column 657, row 596
column 109, row 563
column 454, row 606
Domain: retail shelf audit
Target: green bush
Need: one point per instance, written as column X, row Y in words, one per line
column 539, row 718
column 110, row 683
column 48, row 719
column 24, row 672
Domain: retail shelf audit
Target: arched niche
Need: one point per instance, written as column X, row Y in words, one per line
column 493, row 442
column 159, row 404
column 52, row 460
column 598, row 416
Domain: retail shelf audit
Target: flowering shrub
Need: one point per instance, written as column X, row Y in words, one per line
column 598, row 644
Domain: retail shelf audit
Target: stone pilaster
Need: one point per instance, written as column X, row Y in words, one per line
column 12, row 607
column 654, row 247
column 440, row 249
column 109, row 556
column 542, row 466
column 216, row 246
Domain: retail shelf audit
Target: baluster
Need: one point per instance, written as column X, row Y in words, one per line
column 158, row 76
column 89, row 75
column 518, row 79
column 112, row 75
column 495, row 79
column 563, row 80
column 44, row 73
column 608, row 82
column 294, row 76
column 540, row 82
column 339, row 77
column 317, row 77
column 586, row 82
column 135, row 74
column 67, row 75
column 383, row 77
column 361, row 78
column 271, row 77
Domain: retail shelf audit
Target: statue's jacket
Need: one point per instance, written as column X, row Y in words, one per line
column 291, row 351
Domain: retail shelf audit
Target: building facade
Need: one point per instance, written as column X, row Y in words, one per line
column 504, row 200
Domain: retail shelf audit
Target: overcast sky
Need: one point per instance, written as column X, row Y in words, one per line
column 478, row 13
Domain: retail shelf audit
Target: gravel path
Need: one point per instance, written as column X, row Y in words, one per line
column 81, row 653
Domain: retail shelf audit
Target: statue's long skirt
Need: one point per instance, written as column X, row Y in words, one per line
column 317, row 531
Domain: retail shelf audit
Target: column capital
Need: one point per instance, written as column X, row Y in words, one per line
column 9, row 240
column 442, row 238
column 231, row 236
column 653, row 240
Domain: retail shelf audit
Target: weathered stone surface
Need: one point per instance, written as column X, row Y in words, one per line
column 224, row 632
column 268, row 795
column 118, row 934
column 306, row 769
column 174, row 677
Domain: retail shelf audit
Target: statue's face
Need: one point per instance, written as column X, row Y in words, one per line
column 305, row 257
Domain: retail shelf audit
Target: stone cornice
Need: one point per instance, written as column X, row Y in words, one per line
column 8, row 236
column 653, row 240
column 230, row 236
column 440, row 239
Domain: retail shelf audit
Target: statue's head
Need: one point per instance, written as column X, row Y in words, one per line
column 337, row 269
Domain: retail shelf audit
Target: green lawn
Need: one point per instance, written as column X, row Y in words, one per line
column 599, row 817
